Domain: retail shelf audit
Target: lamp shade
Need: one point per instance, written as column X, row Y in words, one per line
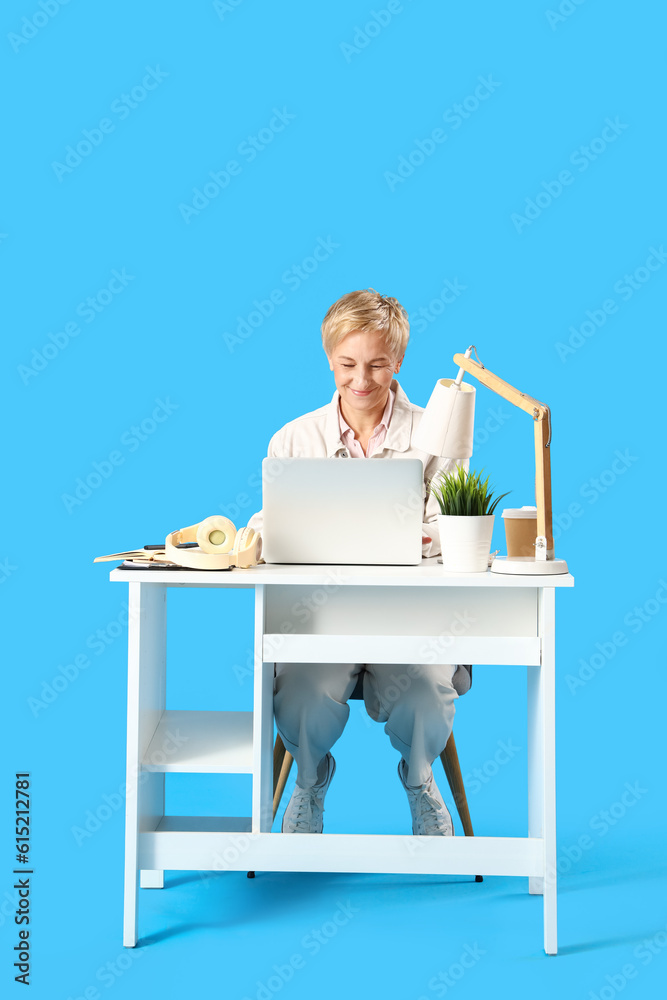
column 447, row 424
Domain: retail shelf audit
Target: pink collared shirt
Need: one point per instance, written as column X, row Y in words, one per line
column 378, row 436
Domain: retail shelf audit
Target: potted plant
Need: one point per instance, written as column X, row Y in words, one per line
column 466, row 519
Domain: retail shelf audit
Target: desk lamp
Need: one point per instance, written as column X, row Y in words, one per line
column 446, row 429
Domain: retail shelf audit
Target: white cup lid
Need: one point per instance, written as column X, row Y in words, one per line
column 520, row 512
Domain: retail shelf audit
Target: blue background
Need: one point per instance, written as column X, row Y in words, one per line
column 355, row 102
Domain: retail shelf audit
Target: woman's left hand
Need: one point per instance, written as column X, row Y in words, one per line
column 426, row 539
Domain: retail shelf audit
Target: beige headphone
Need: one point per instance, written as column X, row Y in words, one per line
column 220, row 545
column 213, row 543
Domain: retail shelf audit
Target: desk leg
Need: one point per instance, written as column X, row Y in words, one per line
column 535, row 766
column 262, row 727
column 144, row 804
column 542, row 765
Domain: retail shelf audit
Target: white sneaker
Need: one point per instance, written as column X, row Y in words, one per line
column 430, row 815
column 305, row 808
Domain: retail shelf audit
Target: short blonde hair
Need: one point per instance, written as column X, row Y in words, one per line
column 366, row 311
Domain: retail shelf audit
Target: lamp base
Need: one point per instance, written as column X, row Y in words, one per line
column 528, row 566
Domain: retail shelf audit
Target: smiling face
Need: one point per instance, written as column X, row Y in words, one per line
column 363, row 368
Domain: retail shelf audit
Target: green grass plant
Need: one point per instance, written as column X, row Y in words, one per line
column 462, row 493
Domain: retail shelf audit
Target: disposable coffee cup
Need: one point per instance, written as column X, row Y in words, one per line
column 520, row 530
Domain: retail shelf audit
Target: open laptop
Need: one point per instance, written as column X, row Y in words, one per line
column 342, row 511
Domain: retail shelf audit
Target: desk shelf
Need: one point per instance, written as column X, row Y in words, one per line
column 307, row 648
column 201, row 743
column 205, row 848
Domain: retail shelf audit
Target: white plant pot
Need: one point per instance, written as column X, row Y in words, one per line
column 465, row 542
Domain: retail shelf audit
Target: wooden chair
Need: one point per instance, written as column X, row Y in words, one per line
column 282, row 765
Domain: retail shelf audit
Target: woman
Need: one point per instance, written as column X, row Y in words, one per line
column 364, row 336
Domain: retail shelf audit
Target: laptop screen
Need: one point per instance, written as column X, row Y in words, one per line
column 343, row 511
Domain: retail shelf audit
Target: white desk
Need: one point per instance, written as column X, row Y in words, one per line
column 383, row 614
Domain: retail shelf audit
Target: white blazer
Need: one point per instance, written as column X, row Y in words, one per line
column 317, row 435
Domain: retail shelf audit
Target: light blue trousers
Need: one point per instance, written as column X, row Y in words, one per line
column 415, row 701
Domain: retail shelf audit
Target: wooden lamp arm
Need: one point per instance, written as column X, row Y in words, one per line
column 542, row 417
column 532, row 406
